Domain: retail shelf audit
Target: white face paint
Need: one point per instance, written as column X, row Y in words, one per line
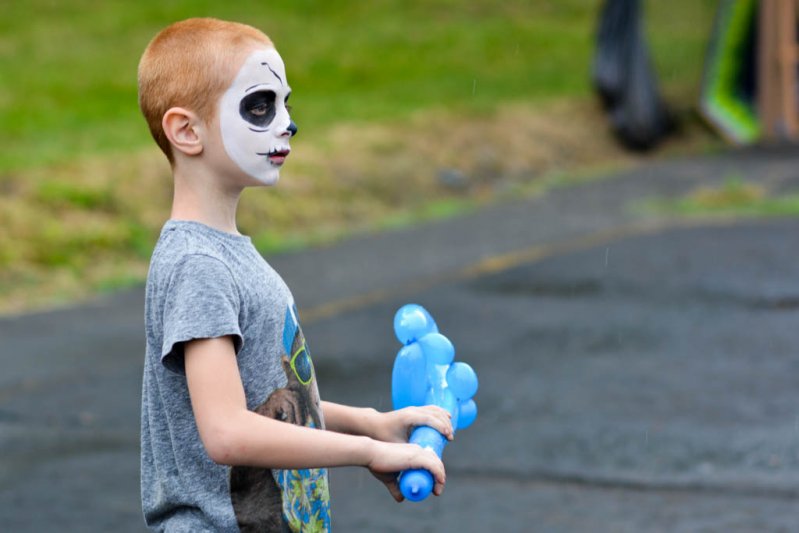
column 253, row 118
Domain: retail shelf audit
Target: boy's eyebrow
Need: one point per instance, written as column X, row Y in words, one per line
column 248, row 89
column 272, row 71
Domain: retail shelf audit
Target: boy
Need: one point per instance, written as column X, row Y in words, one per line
column 234, row 435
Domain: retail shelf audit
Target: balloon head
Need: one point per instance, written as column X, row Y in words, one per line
column 412, row 322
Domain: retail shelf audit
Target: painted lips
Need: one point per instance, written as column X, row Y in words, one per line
column 276, row 157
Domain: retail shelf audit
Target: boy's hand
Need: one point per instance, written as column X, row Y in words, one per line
column 388, row 459
column 396, row 426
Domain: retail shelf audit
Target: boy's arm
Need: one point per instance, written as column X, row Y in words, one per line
column 394, row 426
column 233, row 435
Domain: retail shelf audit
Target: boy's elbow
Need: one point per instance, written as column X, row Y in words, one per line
column 220, row 453
column 222, row 446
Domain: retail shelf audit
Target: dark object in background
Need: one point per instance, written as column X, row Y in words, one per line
column 624, row 78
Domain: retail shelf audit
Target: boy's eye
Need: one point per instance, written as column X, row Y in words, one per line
column 258, row 108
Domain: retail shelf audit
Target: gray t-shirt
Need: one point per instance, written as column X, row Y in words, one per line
column 205, row 283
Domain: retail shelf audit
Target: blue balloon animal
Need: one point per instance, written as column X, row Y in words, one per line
column 425, row 374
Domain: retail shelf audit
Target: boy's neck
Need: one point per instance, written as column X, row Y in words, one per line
column 200, row 198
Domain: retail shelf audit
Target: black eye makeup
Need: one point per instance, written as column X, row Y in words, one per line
column 258, row 108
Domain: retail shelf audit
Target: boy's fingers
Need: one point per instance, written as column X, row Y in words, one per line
column 438, row 488
column 434, row 416
column 441, row 422
column 437, row 469
column 439, row 412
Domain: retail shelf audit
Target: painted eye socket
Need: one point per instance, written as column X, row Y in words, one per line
column 258, row 108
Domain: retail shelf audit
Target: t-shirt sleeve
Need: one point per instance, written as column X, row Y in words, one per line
column 201, row 302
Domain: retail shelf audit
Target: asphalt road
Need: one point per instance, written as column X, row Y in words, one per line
column 636, row 374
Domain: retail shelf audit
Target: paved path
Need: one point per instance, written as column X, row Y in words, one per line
column 636, row 374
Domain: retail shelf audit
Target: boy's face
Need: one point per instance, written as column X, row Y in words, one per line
column 254, row 119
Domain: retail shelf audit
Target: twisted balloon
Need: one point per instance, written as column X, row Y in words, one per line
column 425, row 374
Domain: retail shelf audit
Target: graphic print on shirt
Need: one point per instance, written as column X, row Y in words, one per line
column 286, row 500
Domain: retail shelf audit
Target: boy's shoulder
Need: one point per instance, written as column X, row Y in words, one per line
column 204, row 260
column 180, row 239
column 183, row 246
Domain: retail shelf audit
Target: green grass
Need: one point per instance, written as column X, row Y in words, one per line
column 69, row 68
column 734, row 198
column 379, row 88
column 435, row 210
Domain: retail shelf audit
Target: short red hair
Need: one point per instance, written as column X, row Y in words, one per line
column 189, row 64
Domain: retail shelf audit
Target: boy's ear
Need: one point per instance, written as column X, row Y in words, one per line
column 181, row 128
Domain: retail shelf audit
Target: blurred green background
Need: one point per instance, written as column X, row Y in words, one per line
column 84, row 191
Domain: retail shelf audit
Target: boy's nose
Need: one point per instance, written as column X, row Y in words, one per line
column 291, row 131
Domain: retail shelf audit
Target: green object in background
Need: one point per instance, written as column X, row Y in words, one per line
column 728, row 98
